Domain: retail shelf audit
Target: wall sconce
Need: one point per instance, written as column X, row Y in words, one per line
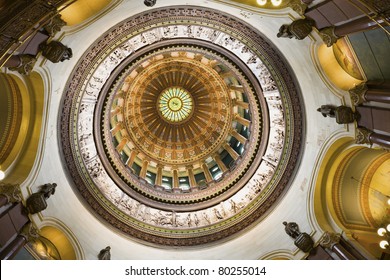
column 275, row 3
column 384, row 232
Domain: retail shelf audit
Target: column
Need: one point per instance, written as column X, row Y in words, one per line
column 159, row 175
column 27, row 234
column 238, row 136
column 357, row 25
column 144, row 168
column 331, row 34
column 115, row 112
column 115, row 129
column 231, row 151
column 207, row 173
column 242, row 120
column 191, row 176
column 14, row 61
column 331, row 241
column 220, row 163
column 131, row 159
column 13, row 248
column 242, row 104
column 366, row 136
column 175, row 179
column 364, row 92
column 3, row 200
column 121, row 145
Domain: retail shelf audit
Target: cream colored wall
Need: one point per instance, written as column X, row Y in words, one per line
column 267, row 239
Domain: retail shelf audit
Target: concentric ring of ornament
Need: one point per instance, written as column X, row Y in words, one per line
column 219, row 125
column 258, row 191
column 184, row 143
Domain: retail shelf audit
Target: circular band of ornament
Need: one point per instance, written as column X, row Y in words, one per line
column 199, row 196
column 258, row 191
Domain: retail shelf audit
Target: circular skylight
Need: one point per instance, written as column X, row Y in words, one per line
column 175, row 104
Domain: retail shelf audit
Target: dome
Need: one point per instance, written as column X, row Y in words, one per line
column 188, row 126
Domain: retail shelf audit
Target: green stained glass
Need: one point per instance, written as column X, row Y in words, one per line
column 175, row 104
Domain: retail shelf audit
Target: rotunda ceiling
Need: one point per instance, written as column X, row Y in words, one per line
column 181, row 126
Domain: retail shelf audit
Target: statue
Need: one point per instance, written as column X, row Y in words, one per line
column 105, row 254
column 291, row 229
column 327, row 111
column 48, row 189
column 150, row 3
column 284, row 32
column 302, row 240
column 37, row 201
column 343, row 114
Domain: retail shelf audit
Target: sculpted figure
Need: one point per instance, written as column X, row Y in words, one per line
column 48, row 189
column 327, row 111
column 291, row 229
column 105, row 254
column 150, row 3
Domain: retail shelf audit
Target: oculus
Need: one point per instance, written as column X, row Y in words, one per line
column 175, row 104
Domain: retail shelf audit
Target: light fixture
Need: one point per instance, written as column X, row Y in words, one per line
column 384, row 232
column 274, row 3
column 2, row 175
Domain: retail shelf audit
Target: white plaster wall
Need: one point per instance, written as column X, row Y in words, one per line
column 268, row 238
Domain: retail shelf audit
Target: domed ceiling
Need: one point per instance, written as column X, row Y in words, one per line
column 181, row 126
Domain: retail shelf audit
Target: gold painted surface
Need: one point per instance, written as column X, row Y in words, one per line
column 60, row 242
column 26, row 145
column 375, row 190
column 10, row 115
column 346, row 58
column 264, row 4
column 81, row 10
column 333, row 70
column 175, row 111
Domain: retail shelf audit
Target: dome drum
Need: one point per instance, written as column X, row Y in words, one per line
column 192, row 138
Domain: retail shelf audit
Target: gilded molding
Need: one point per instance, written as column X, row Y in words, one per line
column 365, row 188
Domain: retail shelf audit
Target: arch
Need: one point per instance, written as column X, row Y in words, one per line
column 21, row 153
column 351, row 194
column 339, row 65
column 81, row 10
column 57, row 244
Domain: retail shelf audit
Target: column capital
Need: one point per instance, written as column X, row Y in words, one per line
column 11, row 192
column 298, row 5
column 363, row 136
column 30, row 232
column 329, row 239
column 357, row 94
column 328, row 36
